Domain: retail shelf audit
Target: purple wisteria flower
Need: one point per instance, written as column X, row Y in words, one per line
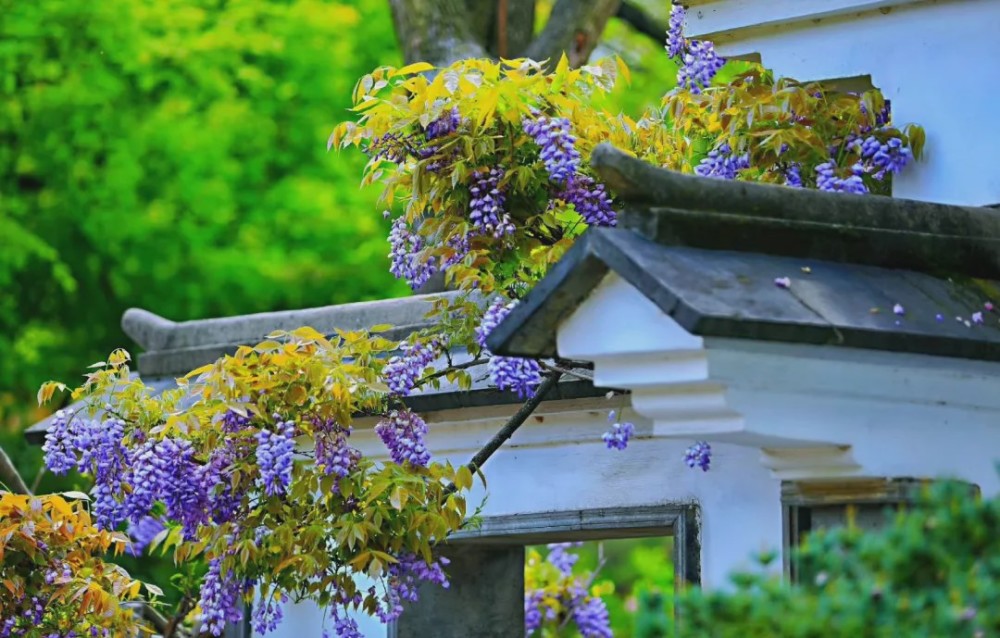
column 219, row 599
column 267, row 614
column 532, row 611
column 591, row 617
column 558, row 145
column 700, row 64
column 411, row 569
column 828, row 180
column 95, row 446
column 590, row 199
column 793, row 175
column 345, row 627
column 333, row 453
column 890, row 157
column 721, row 163
column 460, row 244
column 618, row 435
column 495, row 313
column 404, row 255
column 143, row 532
column 507, row 373
column 562, row 559
column 403, row 432
column 404, row 577
column 675, row 32
column 390, row 147
column 444, row 125
column 699, row 455
column 402, row 371
column 486, row 204
column 60, row 444
column 274, row 457
column 233, row 421
column 516, row 374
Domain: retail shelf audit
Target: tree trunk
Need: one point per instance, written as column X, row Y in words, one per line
column 443, row 31
column 435, row 31
column 574, row 28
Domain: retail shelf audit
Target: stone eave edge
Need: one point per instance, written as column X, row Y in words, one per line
column 157, row 334
column 689, row 210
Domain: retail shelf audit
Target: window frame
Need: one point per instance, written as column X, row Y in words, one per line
column 681, row 522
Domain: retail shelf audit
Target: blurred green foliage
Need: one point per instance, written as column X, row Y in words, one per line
column 637, row 577
column 933, row 571
column 642, row 570
column 170, row 154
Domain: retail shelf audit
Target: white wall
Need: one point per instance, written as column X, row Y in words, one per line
column 936, row 62
column 560, row 463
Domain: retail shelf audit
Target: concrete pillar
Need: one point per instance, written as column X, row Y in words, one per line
column 485, row 599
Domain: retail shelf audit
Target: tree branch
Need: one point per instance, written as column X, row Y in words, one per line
column 434, row 31
column 570, row 372
column 641, row 21
column 510, row 427
column 185, row 607
column 455, row 367
column 574, row 27
column 157, row 619
column 10, row 477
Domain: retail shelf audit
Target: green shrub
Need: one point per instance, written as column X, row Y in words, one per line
column 934, row 570
column 171, row 154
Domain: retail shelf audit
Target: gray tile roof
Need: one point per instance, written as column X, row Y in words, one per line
column 172, row 349
column 721, row 293
column 708, row 251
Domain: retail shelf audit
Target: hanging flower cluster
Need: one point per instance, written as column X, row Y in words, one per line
column 216, row 469
column 554, row 596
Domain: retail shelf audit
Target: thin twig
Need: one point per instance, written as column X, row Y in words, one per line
column 453, row 368
column 601, row 561
column 567, row 371
column 185, row 606
column 38, row 478
column 10, row 477
column 158, row 620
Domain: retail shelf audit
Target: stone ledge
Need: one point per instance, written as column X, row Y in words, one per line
column 155, row 333
column 672, row 208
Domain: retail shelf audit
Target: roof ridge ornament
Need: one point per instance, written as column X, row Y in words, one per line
column 148, row 329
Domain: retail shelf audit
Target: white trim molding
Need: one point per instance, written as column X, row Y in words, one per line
column 727, row 19
column 812, row 412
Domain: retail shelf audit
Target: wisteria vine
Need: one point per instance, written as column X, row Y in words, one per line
column 249, row 465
